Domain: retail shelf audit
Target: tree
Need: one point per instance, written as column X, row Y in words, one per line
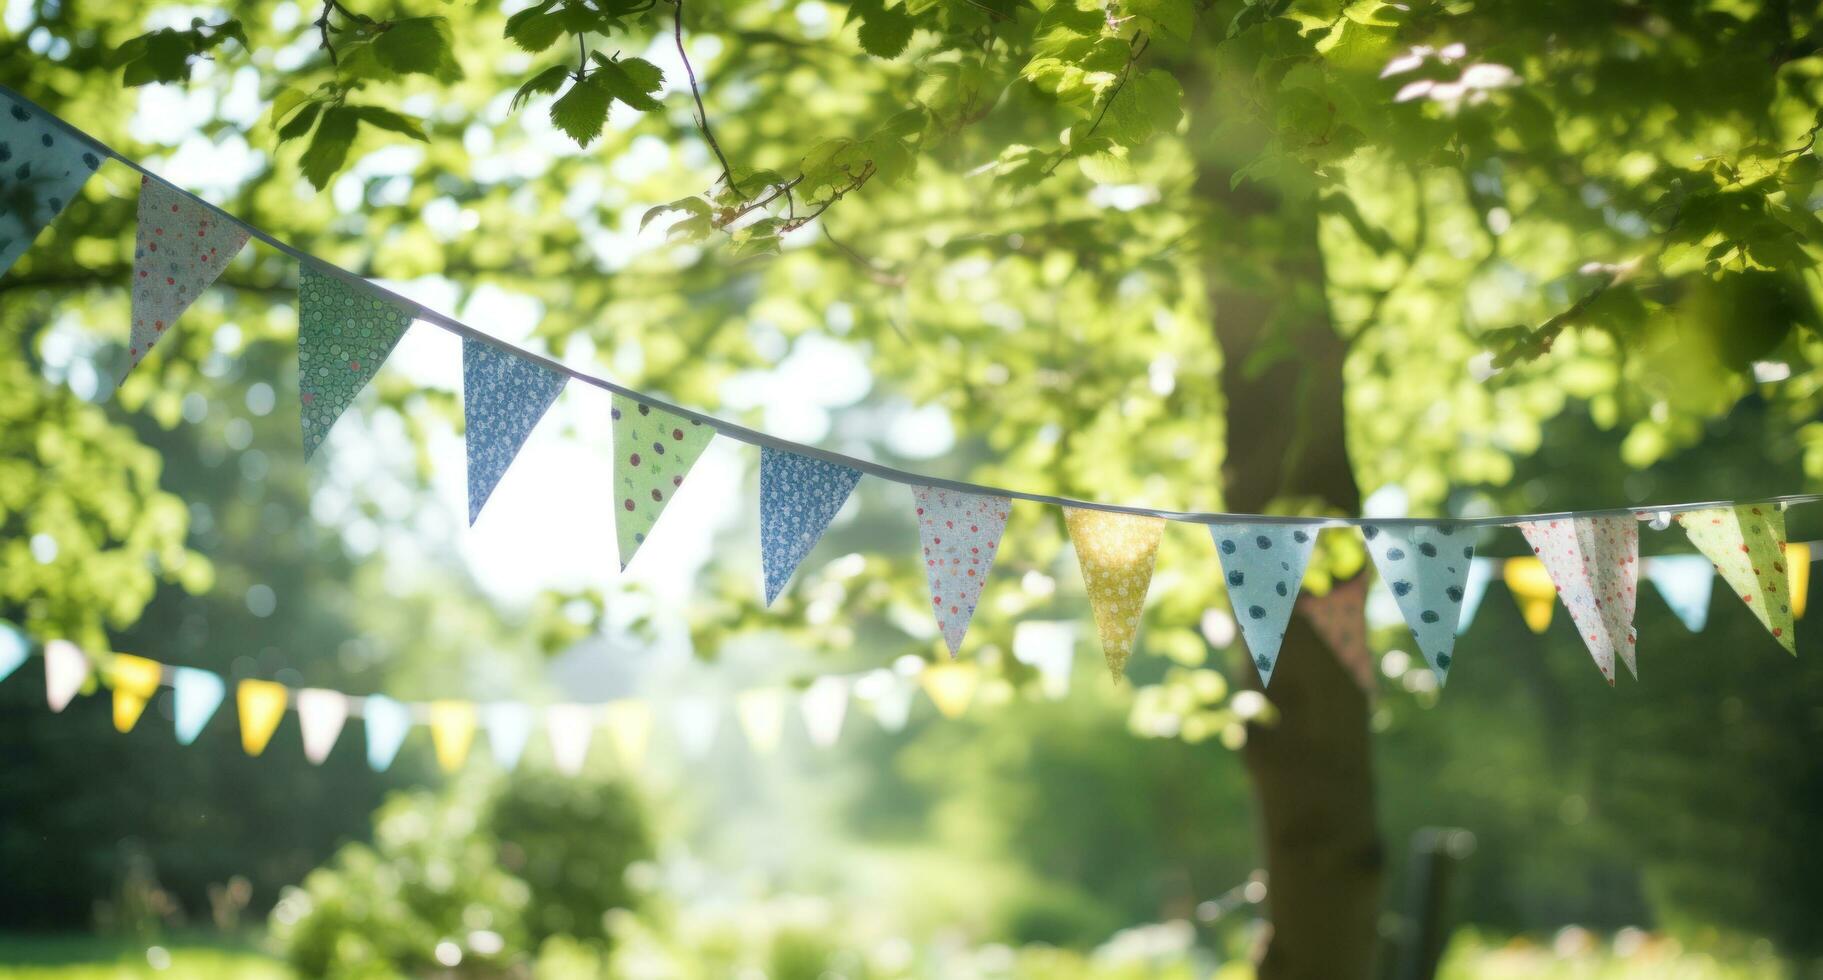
column 1243, row 254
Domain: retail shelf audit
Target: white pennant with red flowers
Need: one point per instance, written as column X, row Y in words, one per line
column 181, row 247
column 960, row 533
column 1594, row 562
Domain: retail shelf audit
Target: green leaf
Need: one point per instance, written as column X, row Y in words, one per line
column 285, row 102
column 535, row 28
column 545, row 82
column 583, row 110
column 160, row 56
column 885, row 31
column 1149, row 102
column 418, row 46
column 630, row 81
column 328, row 149
column 694, row 206
column 391, row 121
column 300, row 123
column 1174, row 19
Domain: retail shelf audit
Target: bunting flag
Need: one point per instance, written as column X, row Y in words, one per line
column 1532, row 590
column 1116, row 552
column 345, row 332
column 42, row 167
column 761, row 712
column 1340, row 618
column 503, row 398
column 195, row 694
column 1263, row 566
column 824, row 704
column 1747, row 544
column 1797, row 559
column 799, row 496
column 452, row 731
column 66, row 670
column 321, row 715
column 1686, row 582
column 570, row 727
column 1426, row 567
column 13, row 649
column 387, row 722
column 181, row 247
column 1050, row 648
column 960, row 533
column 509, row 727
column 135, row 680
column 951, row 687
column 695, row 720
column 629, row 725
column 653, row 452
column 262, row 707
column 1594, row 567
column 888, row 695
column 1481, row 572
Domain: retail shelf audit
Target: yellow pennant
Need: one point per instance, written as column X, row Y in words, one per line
column 629, row 725
column 1117, row 552
column 452, row 730
column 1797, row 560
column 262, row 706
column 761, row 713
column 951, row 686
column 1533, row 589
column 135, row 680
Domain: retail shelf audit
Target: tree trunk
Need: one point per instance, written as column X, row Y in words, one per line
column 1311, row 766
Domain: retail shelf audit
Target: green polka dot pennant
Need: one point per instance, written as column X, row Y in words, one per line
column 653, row 452
column 344, row 333
column 1747, row 544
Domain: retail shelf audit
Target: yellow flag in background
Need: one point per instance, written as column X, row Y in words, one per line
column 135, row 680
column 951, row 686
column 1533, row 589
column 629, row 725
column 262, row 707
column 1117, row 552
column 452, row 729
column 1797, row 562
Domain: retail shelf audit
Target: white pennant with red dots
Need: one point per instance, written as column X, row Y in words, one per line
column 1594, row 562
column 961, row 535
column 181, row 247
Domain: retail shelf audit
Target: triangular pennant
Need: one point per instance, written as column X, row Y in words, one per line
column 503, row 397
column 135, row 680
column 345, row 333
column 1340, row 618
column 824, row 704
column 889, row 695
column 1050, row 647
column 42, row 167
column 181, row 247
column 1533, row 591
column 321, row 715
column 629, row 725
column 570, row 727
column 653, row 452
column 1686, row 582
column 13, row 649
column 1116, row 552
column 1594, row 567
column 452, row 731
column 1425, row 566
column 387, row 722
column 509, row 726
column 66, row 669
column 1263, row 566
column 1481, row 572
column 1747, row 544
column 951, row 687
column 1797, row 561
column 761, row 712
column 195, row 694
column 799, row 496
column 262, row 707
column 961, row 534
column 695, row 720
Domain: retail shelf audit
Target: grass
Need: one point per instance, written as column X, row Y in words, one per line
column 84, row 957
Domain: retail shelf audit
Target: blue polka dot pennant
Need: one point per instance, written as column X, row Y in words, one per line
column 1263, row 567
column 503, row 397
column 799, row 496
column 1427, row 567
column 42, row 167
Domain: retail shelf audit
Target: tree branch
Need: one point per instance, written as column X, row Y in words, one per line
column 702, row 113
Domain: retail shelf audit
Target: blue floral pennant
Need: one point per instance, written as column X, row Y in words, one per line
column 503, row 397
column 1686, row 582
column 799, row 496
column 1263, row 566
column 1426, row 566
column 42, row 167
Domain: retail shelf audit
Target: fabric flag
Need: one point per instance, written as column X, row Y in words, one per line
column 1050, row 648
column 1263, row 566
column 799, row 496
column 509, row 726
column 889, row 695
column 262, row 707
column 503, row 397
column 42, row 167
column 181, row 247
column 1425, row 566
column 1797, row 559
column 1594, row 567
column 387, row 723
column 135, row 680
column 66, row 669
column 695, row 720
column 13, row 649
column 345, row 332
column 321, row 715
column 1116, row 552
column 653, row 452
column 1747, row 544
column 951, row 687
column 1481, row 572
column 824, row 704
column 1340, row 618
column 452, row 731
column 761, row 712
column 1686, row 582
column 629, row 725
column 1532, row 589
column 570, row 728
column 195, row 694
column 960, row 533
